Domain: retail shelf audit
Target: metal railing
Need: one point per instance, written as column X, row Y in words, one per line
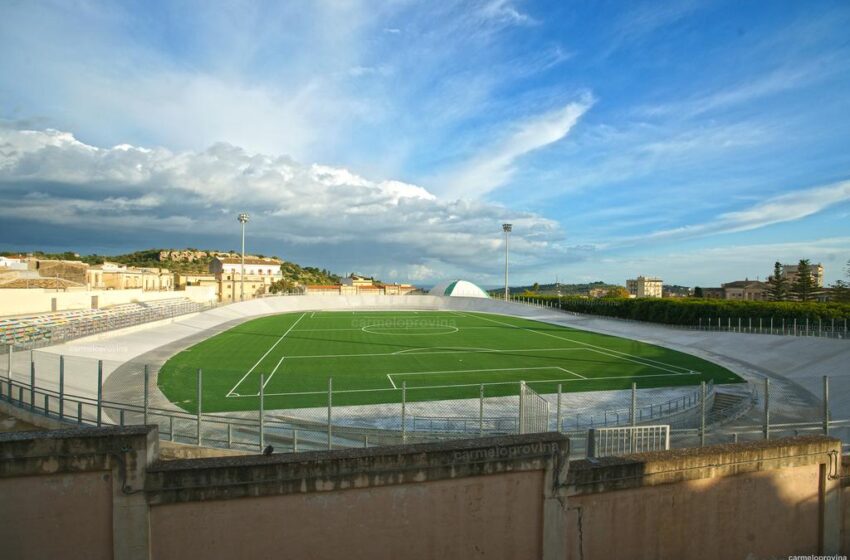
column 605, row 442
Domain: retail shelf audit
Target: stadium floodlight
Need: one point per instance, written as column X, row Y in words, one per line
column 507, row 228
column 243, row 219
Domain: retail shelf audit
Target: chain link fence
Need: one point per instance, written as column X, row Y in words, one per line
column 85, row 391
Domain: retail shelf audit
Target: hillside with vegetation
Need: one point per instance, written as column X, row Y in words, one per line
column 189, row 261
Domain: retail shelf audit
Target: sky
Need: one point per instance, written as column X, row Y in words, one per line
column 695, row 141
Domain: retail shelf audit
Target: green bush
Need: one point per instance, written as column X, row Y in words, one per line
column 693, row 310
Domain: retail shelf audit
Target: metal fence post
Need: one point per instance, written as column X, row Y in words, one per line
column 403, row 412
column 200, row 405
column 521, row 423
column 99, row 392
column 61, row 387
column 826, row 405
column 702, row 414
column 766, row 427
column 32, row 382
column 145, row 393
column 229, row 435
column 558, row 411
column 262, row 412
column 633, row 413
column 294, row 440
column 9, row 371
column 330, row 410
column 481, row 410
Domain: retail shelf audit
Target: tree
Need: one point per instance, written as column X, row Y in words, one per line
column 841, row 292
column 803, row 288
column 535, row 288
column 279, row 286
column 617, row 292
column 778, row 284
column 698, row 292
column 841, row 289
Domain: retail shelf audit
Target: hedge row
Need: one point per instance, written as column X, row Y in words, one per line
column 691, row 310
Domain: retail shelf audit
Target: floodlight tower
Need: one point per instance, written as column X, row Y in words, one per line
column 243, row 219
column 507, row 229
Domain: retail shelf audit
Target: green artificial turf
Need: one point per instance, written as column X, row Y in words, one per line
column 437, row 355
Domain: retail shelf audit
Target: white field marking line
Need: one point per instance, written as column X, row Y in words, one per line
column 489, row 369
column 471, row 349
column 232, row 390
column 269, row 378
column 380, row 325
column 412, row 353
column 391, row 381
column 598, row 349
column 400, row 332
column 336, row 391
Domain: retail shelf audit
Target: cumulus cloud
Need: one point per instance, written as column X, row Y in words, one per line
column 328, row 215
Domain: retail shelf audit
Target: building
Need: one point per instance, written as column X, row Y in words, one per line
column 181, row 280
column 744, row 290
column 259, row 276
column 114, row 276
column 645, row 287
column 713, row 293
column 18, row 262
column 356, row 281
column 789, row 272
column 362, row 290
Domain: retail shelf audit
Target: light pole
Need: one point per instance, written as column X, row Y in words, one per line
column 507, row 229
column 243, row 219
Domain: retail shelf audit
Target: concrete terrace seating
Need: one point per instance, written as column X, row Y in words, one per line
column 65, row 325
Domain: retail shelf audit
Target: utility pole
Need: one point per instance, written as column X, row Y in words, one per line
column 507, row 229
column 243, row 219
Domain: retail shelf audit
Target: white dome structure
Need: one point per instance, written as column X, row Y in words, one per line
column 458, row 288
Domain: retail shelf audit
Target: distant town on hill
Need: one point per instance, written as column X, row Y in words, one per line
column 597, row 288
column 188, row 260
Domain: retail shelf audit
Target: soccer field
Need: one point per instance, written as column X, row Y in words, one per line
column 439, row 355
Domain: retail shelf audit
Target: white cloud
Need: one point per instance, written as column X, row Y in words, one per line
column 775, row 210
column 495, row 165
column 51, row 179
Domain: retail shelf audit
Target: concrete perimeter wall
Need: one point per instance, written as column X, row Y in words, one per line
column 106, row 493
column 15, row 301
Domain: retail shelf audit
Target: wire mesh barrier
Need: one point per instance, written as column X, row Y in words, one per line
column 838, row 328
column 605, row 442
column 533, row 411
column 82, row 391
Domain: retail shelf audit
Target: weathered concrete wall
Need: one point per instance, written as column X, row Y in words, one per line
column 75, row 493
column 483, row 498
column 845, row 506
column 22, row 301
column 756, row 500
column 56, row 516
column 100, row 492
column 478, row 517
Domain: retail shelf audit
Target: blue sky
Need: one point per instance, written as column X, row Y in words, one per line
column 698, row 141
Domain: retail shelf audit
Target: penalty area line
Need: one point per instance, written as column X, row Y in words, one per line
column 238, row 383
